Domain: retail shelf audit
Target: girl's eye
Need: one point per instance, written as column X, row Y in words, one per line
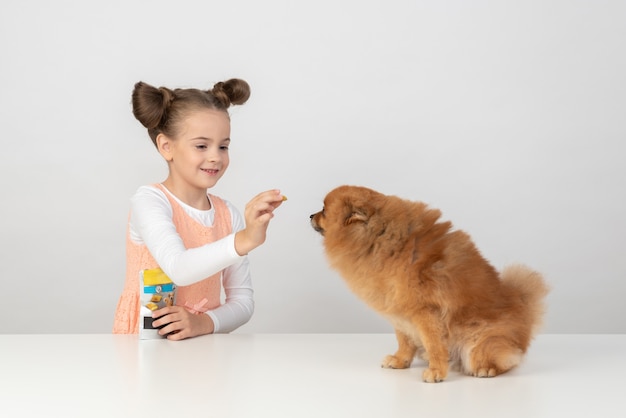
column 224, row 147
column 201, row 147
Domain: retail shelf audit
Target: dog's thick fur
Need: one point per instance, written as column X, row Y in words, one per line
column 444, row 300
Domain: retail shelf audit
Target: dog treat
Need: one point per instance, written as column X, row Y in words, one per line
column 152, row 306
column 156, row 298
column 284, row 198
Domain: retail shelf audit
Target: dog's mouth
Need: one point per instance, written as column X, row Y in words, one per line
column 315, row 225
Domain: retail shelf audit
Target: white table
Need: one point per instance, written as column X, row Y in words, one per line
column 301, row 375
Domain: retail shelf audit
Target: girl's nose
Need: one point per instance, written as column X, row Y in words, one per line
column 213, row 156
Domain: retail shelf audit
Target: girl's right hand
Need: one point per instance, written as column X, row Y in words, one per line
column 258, row 213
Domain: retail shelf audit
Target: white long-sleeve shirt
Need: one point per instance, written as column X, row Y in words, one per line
column 151, row 224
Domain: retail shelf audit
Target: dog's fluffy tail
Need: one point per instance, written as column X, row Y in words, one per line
column 531, row 288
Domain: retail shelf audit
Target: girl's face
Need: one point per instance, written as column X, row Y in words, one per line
column 198, row 156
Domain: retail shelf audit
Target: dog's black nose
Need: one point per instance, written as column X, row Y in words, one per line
column 311, row 217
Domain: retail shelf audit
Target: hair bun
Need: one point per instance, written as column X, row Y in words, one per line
column 231, row 92
column 150, row 104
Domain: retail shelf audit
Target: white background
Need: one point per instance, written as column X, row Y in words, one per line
column 509, row 116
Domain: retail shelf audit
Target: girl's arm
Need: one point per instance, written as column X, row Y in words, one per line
column 151, row 224
column 239, row 304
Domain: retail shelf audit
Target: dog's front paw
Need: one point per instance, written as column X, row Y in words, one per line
column 433, row 375
column 393, row 362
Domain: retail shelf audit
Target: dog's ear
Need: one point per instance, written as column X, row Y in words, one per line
column 357, row 216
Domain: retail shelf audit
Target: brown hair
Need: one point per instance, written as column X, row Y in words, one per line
column 161, row 110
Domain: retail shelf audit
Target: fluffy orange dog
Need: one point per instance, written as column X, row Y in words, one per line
column 444, row 300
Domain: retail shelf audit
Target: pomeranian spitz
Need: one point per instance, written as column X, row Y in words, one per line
column 446, row 302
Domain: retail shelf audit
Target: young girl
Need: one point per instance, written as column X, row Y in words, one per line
column 199, row 240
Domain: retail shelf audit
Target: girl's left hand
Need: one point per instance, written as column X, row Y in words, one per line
column 179, row 323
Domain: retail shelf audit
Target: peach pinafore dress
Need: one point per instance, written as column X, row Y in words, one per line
column 200, row 296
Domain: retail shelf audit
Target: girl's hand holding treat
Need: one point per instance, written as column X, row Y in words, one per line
column 258, row 213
